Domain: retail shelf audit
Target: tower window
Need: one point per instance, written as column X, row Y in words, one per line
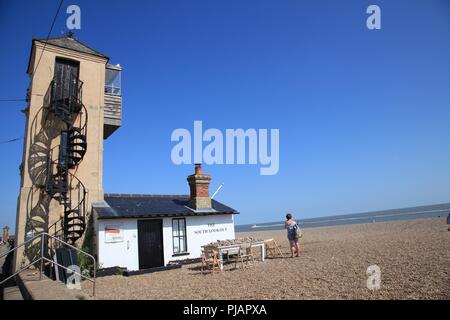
column 113, row 84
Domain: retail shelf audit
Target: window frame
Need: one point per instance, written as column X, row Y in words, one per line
column 110, row 88
column 177, row 238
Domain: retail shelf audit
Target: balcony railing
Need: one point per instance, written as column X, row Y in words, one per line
column 64, row 97
column 71, row 87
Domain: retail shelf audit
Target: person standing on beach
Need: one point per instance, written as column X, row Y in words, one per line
column 290, row 225
column 448, row 221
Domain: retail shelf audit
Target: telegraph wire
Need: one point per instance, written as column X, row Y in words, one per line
column 43, row 49
column 12, row 100
column 12, row 140
column 48, row 36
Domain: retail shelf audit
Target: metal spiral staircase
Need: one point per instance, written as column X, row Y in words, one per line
column 61, row 184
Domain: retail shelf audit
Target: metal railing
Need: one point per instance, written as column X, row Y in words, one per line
column 64, row 98
column 66, row 88
column 43, row 258
column 56, row 227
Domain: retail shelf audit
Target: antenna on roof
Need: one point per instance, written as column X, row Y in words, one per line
column 69, row 34
column 221, row 185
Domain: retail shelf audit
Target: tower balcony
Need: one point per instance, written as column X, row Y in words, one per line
column 113, row 100
column 64, row 97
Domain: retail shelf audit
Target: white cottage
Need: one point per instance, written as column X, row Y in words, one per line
column 147, row 231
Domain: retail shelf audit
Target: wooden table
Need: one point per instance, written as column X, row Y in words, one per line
column 235, row 248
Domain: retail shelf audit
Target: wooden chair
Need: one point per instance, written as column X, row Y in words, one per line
column 210, row 260
column 245, row 255
column 272, row 249
column 229, row 254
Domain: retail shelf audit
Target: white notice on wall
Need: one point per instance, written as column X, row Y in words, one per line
column 113, row 233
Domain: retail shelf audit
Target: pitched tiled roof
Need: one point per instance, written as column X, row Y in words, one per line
column 72, row 44
column 136, row 206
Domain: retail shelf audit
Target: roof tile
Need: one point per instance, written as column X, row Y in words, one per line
column 132, row 205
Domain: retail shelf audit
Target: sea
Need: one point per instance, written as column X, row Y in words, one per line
column 421, row 212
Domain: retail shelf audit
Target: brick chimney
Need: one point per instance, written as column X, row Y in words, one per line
column 199, row 185
column 5, row 237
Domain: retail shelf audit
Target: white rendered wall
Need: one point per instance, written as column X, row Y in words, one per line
column 199, row 230
column 121, row 254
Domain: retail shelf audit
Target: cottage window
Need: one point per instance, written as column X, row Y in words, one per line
column 179, row 235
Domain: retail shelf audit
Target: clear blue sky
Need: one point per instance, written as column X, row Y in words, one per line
column 364, row 116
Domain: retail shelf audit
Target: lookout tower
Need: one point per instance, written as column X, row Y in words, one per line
column 74, row 103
